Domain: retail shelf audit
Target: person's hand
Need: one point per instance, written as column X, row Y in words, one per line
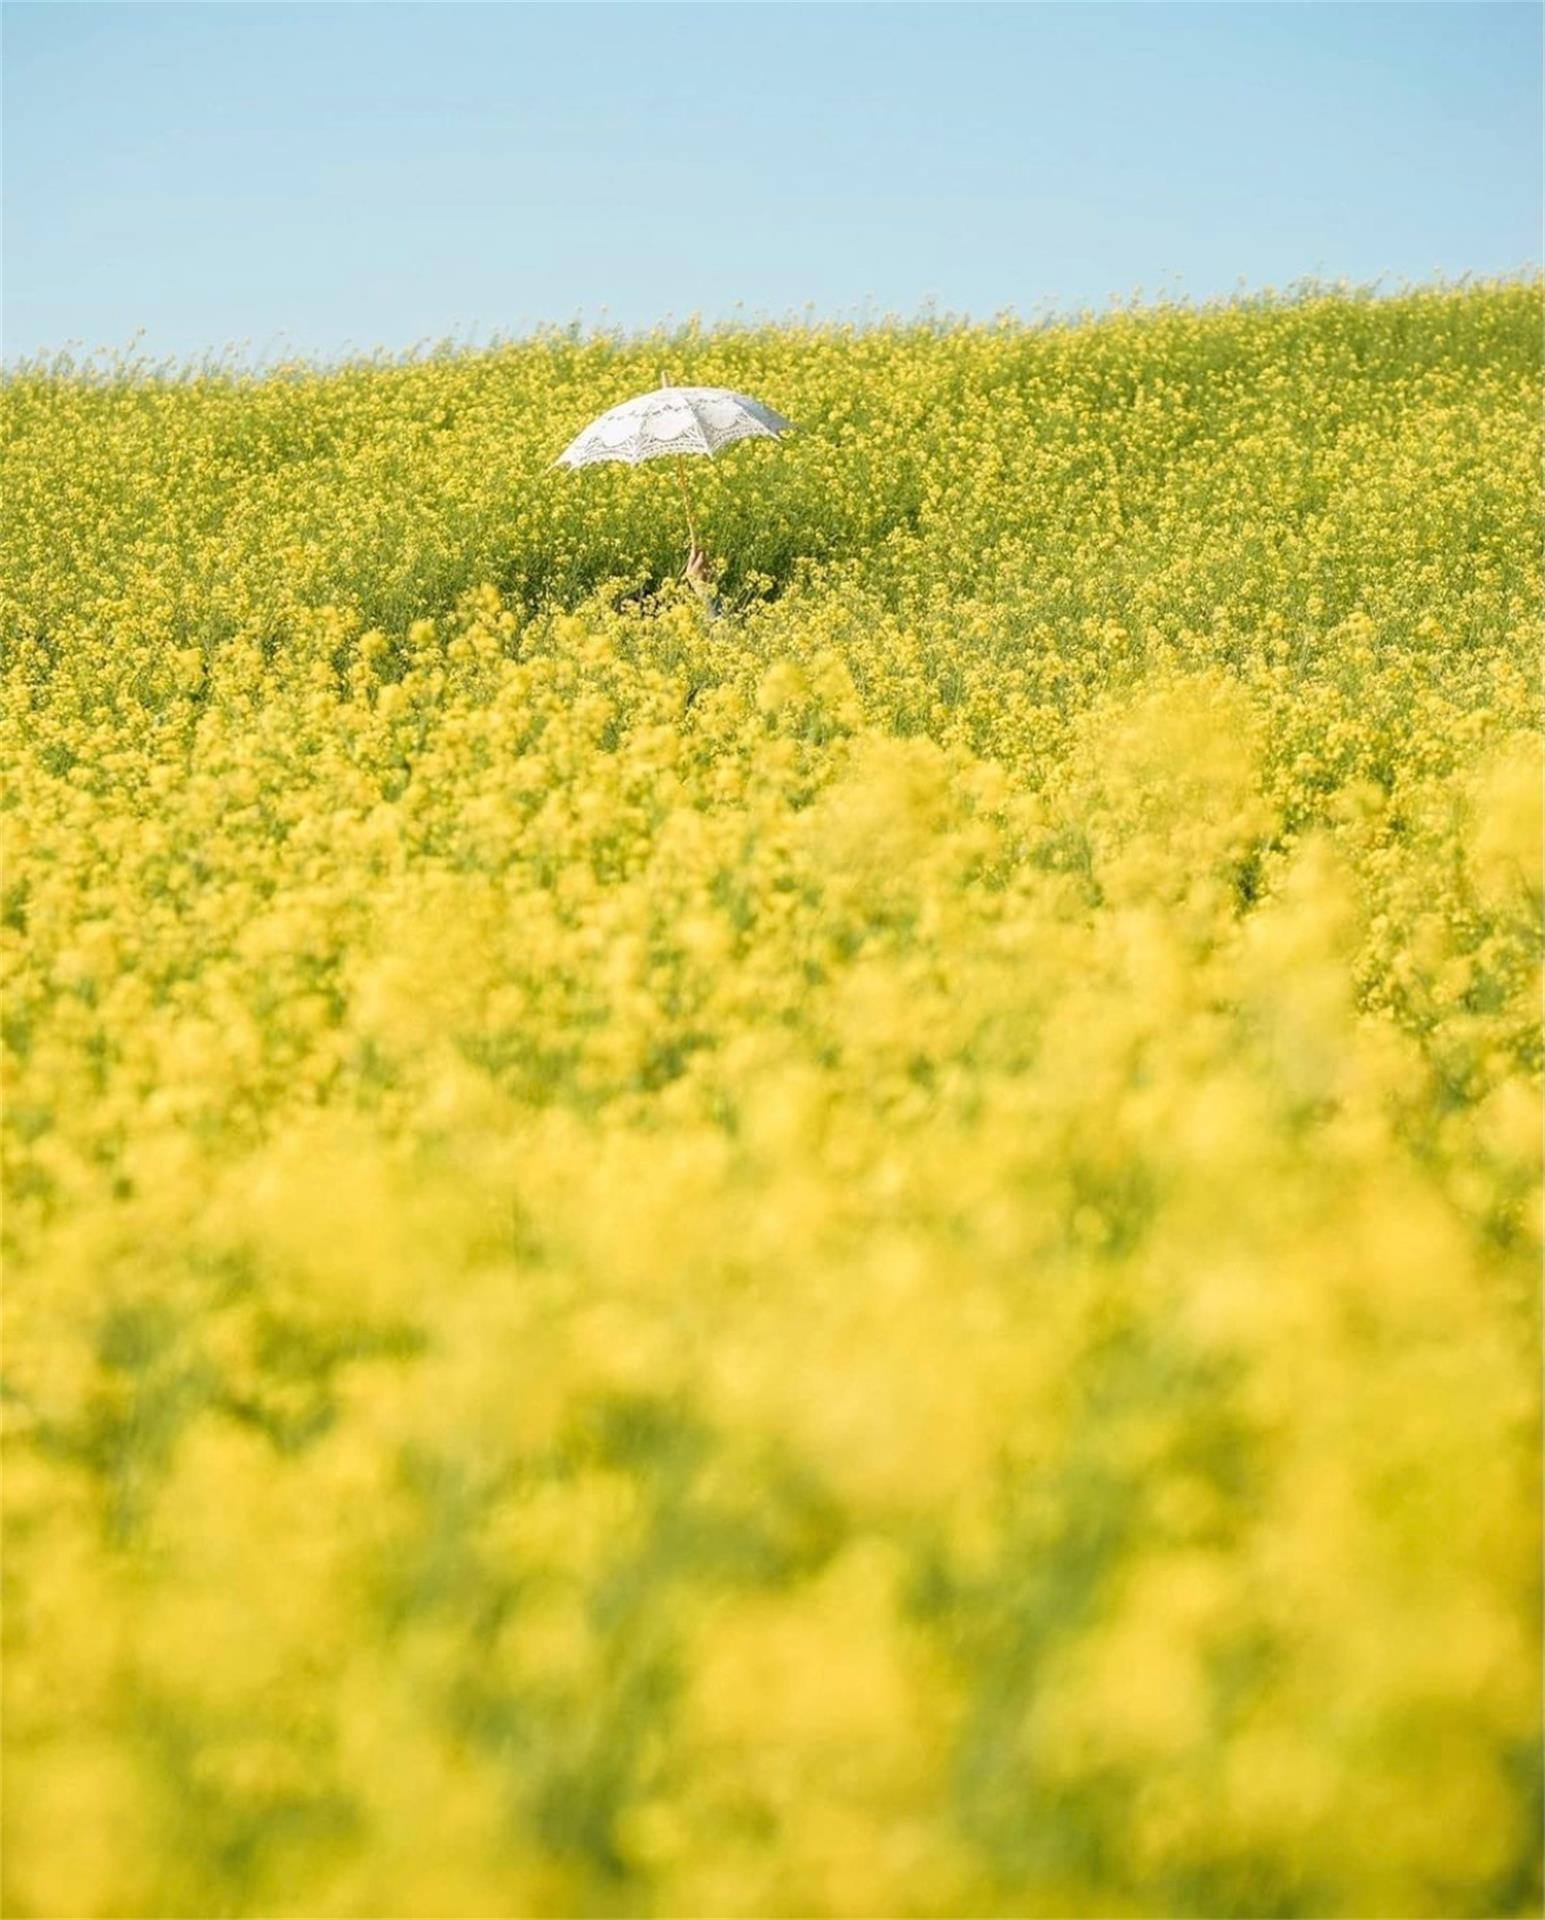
column 699, row 577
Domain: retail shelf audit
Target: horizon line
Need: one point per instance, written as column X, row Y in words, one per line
column 108, row 363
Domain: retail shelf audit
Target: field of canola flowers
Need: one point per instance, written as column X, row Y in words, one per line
column 876, row 1260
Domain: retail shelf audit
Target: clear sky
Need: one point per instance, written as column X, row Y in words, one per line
column 321, row 177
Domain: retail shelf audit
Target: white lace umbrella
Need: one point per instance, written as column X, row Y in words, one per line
column 673, row 420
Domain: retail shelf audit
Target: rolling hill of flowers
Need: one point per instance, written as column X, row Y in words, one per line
column 879, row 1258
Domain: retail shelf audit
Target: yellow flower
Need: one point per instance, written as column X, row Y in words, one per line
column 876, row 1257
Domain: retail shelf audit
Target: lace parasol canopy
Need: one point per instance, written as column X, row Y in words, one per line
column 673, row 420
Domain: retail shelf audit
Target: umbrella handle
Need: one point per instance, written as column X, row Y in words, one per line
column 686, row 501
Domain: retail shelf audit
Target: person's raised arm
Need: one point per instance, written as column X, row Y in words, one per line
column 699, row 577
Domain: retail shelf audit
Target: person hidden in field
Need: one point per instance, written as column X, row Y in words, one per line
column 699, row 577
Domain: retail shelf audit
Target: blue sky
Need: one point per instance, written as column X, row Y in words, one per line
column 321, row 177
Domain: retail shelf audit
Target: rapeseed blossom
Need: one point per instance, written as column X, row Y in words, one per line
column 879, row 1259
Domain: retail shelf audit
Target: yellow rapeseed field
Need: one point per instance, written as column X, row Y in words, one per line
column 879, row 1259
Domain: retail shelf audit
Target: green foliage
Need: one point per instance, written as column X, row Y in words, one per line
column 879, row 1258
